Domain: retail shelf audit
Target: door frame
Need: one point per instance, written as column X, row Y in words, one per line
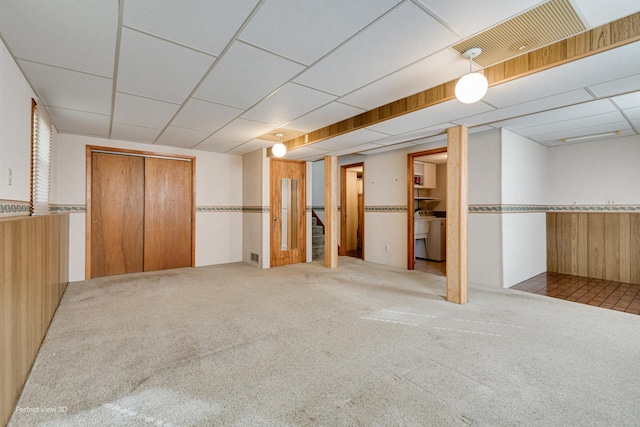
column 343, row 207
column 411, row 204
column 126, row 152
column 303, row 212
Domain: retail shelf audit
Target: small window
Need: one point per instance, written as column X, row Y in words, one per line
column 41, row 132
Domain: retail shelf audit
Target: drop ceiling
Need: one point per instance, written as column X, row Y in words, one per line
column 219, row 75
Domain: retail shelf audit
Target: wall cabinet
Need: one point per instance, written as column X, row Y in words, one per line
column 424, row 180
column 424, row 175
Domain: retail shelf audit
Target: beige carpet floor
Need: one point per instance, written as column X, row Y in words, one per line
column 301, row 345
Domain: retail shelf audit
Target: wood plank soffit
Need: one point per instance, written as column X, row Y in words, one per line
column 591, row 42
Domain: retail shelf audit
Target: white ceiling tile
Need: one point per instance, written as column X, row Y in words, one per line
column 134, row 133
column 324, row 116
column 138, row 111
column 600, row 12
column 424, row 74
column 546, row 118
column 205, row 116
column 633, row 113
column 250, row 146
column 180, row 137
column 554, row 138
column 568, row 127
column 350, row 139
column 416, row 134
column 65, row 33
column 200, row 24
column 241, row 130
column 400, row 38
column 630, row 100
column 80, row 122
column 479, row 129
column 306, row 153
column 305, row 30
column 548, row 103
column 233, row 80
column 159, row 69
column 354, row 149
column 453, row 111
column 58, row 87
column 385, row 148
column 471, row 17
column 434, row 138
column 287, row 103
column 214, row 145
column 615, row 87
column 595, row 69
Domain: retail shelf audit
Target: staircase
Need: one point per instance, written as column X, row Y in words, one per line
column 317, row 239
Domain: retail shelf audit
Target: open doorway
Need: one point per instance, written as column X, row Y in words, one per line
column 352, row 210
column 427, row 211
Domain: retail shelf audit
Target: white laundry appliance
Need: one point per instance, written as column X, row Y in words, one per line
column 437, row 242
column 422, row 220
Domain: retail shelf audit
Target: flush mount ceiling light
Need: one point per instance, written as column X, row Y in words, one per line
column 279, row 149
column 473, row 86
column 593, row 136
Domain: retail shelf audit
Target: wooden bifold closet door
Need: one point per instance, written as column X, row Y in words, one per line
column 141, row 213
column 167, row 214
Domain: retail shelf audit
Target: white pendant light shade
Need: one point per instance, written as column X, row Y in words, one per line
column 471, row 88
column 279, row 149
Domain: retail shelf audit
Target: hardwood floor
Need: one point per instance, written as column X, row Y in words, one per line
column 584, row 290
column 355, row 253
column 439, row 268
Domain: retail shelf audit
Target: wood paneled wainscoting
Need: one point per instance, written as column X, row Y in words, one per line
column 594, row 244
column 33, row 276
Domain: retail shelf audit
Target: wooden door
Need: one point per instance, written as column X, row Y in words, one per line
column 288, row 212
column 352, row 211
column 168, row 210
column 117, row 214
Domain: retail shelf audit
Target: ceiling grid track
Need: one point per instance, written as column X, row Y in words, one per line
column 116, row 63
column 209, row 71
column 561, row 52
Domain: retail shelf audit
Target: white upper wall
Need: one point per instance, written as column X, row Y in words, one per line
column 15, row 130
column 595, row 173
column 524, row 170
column 524, row 182
column 485, row 182
column 382, row 179
column 218, row 176
column 252, row 164
column 485, row 264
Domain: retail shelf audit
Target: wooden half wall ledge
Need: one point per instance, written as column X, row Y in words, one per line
column 591, row 42
column 34, row 260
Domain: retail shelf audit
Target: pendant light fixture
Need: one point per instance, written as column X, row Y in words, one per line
column 473, row 86
column 279, row 149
